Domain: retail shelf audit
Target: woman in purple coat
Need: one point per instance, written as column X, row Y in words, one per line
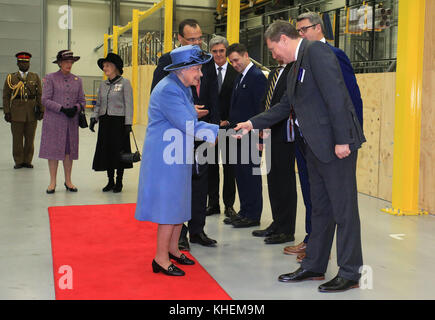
column 63, row 99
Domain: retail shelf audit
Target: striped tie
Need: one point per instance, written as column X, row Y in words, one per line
column 272, row 87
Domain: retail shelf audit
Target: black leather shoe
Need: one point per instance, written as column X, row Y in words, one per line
column 70, row 189
column 172, row 270
column 183, row 244
column 50, row 191
column 338, row 284
column 27, row 165
column 18, row 166
column 182, row 259
column 229, row 211
column 232, row 218
column 279, row 238
column 301, row 275
column 212, row 210
column 245, row 223
column 269, row 231
column 202, row 239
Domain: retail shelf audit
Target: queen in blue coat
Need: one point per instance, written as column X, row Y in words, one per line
column 164, row 191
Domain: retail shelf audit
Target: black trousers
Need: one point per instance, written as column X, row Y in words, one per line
column 334, row 200
column 248, row 179
column 229, row 183
column 199, row 201
column 281, row 182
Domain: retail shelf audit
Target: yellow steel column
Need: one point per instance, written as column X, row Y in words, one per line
column 106, row 49
column 134, row 62
column 407, row 121
column 115, row 37
column 169, row 5
column 233, row 21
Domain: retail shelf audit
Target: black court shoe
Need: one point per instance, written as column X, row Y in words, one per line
column 70, row 189
column 172, row 270
column 51, row 191
column 182, row 259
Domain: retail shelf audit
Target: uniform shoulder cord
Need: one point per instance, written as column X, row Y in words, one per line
column 19, row 87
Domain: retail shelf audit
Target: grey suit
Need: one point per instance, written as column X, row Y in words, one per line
column 318, row 96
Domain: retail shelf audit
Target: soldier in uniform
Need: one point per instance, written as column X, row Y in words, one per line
column 22, row 108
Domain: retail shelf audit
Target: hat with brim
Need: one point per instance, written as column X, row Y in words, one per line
column 186, row 57
column 113, row 58
column 64, row 55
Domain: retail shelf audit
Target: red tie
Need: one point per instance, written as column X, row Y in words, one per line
column 197, row 88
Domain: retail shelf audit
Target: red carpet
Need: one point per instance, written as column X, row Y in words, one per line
column 104, row 253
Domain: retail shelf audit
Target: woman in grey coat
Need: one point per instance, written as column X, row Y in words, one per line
column 114, row 112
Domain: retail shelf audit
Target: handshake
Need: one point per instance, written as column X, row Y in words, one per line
column 69, row 112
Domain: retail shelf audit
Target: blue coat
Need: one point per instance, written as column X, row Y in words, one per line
column 164, row 191
column 350, row 81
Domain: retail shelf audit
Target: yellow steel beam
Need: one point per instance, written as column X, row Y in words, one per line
column 135, row 63
column 115, row 37
column 106, row 49
column 145, row 14
column 407, row 122
column 169, row 7
column 233, row 21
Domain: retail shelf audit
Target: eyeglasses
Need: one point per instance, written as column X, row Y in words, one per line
column 304, row 29
column 194, row 40
column 218, row 51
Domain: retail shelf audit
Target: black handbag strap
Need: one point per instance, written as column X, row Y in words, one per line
column 134, row 138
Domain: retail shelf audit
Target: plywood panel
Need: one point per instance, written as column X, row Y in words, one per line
column 427, row 145
column 386, row 139
column 145, row 78
column 368, row 157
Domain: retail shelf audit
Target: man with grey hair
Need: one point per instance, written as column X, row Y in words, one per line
column 329, row 133
column 221, row 76
column 310, row 26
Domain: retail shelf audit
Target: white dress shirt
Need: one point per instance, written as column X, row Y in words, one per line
column 223, row 71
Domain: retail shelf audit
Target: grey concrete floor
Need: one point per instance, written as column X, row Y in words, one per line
column 398, row 251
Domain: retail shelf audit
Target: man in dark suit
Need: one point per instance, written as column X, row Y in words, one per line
column 221, row 75
column 310, row 27
column 249, row 88
column 205, row 101
column 329, row 133
column 281, row 179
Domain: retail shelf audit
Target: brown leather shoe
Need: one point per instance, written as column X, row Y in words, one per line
column 300, row 248
column 300, row 257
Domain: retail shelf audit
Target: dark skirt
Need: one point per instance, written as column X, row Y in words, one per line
column 112, row 140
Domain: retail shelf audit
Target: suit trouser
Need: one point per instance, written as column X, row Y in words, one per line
column 199, row 202
column 23, row 135
column 249, row 185
column 281, row 182
column 229, row 183
column 335, row 206
column 305, row 187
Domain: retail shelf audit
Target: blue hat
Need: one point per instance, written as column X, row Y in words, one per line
column 187, row 56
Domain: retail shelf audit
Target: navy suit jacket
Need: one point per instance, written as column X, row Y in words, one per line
column 350, row 81
column 246, row 99
column 208, row 96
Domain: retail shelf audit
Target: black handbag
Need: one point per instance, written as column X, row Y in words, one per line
column 132, row 156
column 83, row 123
